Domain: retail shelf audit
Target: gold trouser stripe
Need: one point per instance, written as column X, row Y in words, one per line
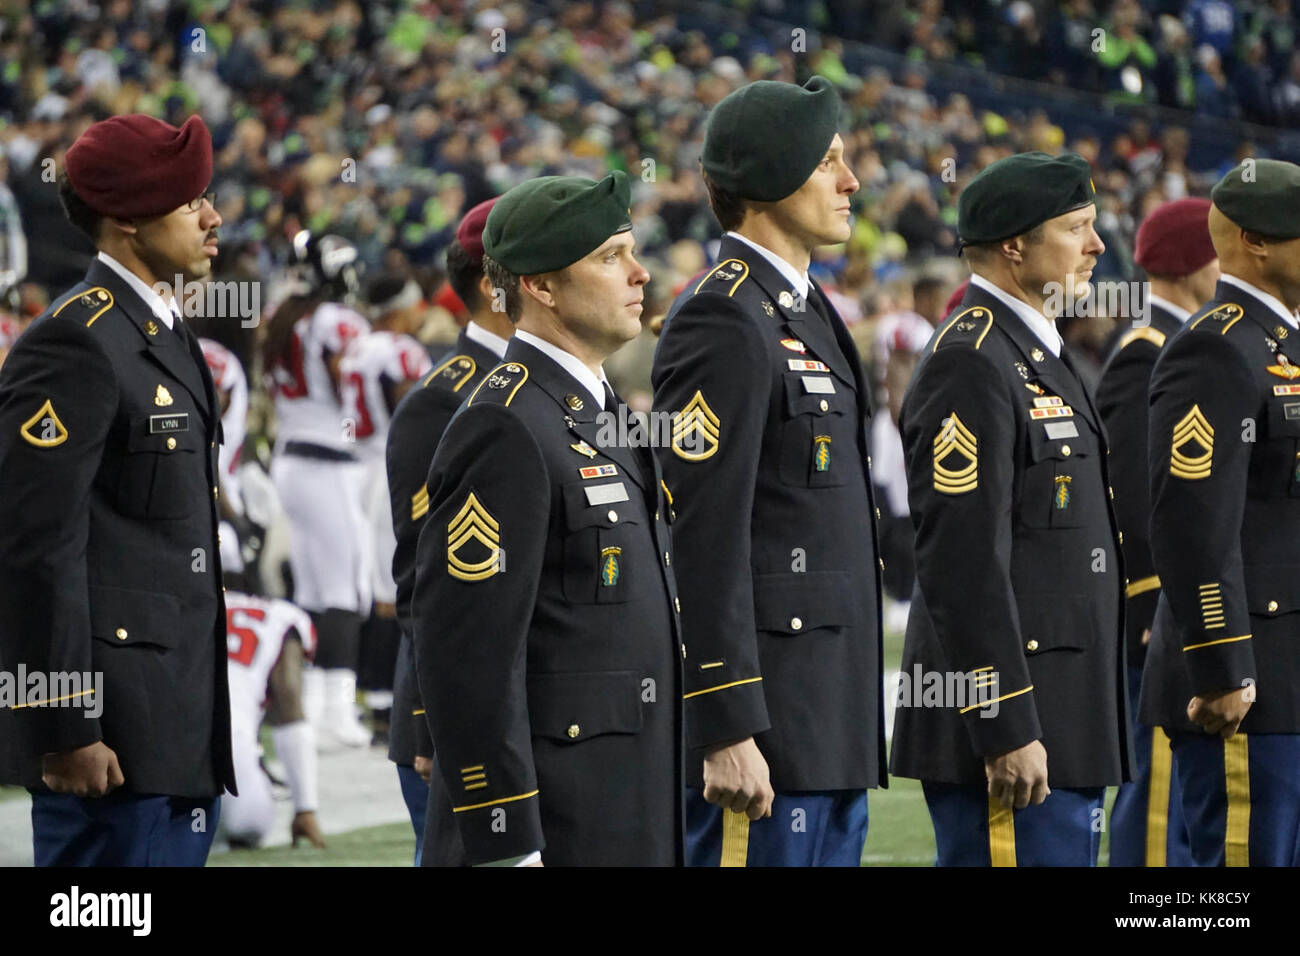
column 1142, row 586
column 1162, row 760
column 735, row 838
column 1002, row 834
column 1236, row 777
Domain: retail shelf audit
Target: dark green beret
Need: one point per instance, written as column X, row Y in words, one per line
column 1263, row 196
column 765, row 139
column 1017, row 193
column 551, row 222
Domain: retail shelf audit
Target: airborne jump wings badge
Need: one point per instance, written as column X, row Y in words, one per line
column 473, row 523
column 1193, row 429
column 696, row 431
column 956, row 444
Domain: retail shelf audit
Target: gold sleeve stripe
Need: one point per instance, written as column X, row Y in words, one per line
column 418, row 713
column 477, row 766
column 1014, row 693
column 1143, row 333
column 1221, row 640
column 705, row 667
column 979, row 669
column 742, row 269
column 710, row 690
column 1142, row 586
column 466, row 778
column 1236, row 782
column 1211, row 605
column 954, row 438
column 1192, row 427
column 493, row 803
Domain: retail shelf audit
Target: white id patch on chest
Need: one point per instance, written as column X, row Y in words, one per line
column 606, row 494
column 1061, row 429
column 818, row 385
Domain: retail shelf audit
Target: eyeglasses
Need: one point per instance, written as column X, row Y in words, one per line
column 194, row 205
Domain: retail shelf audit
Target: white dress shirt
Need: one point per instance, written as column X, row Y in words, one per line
column 1039, row 324
column 1272, row 301
column 157, row 304
column 489, row 340
column 797, row 281
column 592, row 383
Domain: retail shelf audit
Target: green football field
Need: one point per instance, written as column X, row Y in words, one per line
column 899, row 833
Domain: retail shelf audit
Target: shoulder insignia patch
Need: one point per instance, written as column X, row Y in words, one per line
column 733, row 271
column 973, row 322
column 95, row 301
column 1193, row 431
column 473, row 523
column 454, row 372
column 44, row 430
column 1225, row 317
column 508, row 376
column 1143, row 333
column 420, row 503
column 697, row 430
column 956, row 458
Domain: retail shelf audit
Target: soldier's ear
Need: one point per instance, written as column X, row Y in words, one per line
column 540, row 288
column 1013, row 249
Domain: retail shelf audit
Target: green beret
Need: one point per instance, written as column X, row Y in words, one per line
column 765, row 139
column 1263, row 196
column 1015, row 194
column 551, row 222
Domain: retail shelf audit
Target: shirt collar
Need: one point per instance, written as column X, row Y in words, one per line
column 592, row 383
column 1038, row 323
column 156, row 303
column 1177, row 311
column 489, row 340
column 797, row 282
column 1269, row 300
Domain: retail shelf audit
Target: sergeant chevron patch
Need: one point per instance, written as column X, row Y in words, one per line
column 697, row 430
column 957, row 441
column 51, row 431
column 1195, row 431
column 473, row 523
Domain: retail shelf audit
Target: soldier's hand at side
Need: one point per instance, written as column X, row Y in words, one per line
column 304, row 826
column 736, row 778
column 424, row 767
column 90, row 771
column 1019, row 777
column 1146, row 636
column 1222, row 713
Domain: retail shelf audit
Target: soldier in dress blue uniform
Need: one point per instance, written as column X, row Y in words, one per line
column 1174, row 247
column 413, row 435
column 1019, row 599
column 1222, row 672
column 544, row 611
column 778, row 565
column 109, row 563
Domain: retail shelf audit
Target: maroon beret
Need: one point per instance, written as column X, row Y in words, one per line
column 138, row 167
column 470, row 231
column 1174, row 240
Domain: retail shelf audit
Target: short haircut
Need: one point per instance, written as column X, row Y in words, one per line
column 983, row 251
column 78, row 213
column 463, row 273
column 505, row 283
column 728, row 208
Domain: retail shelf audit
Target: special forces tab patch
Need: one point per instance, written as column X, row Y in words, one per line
column 697, row 430
column 44, row 430
column 473, row 523
column 610, row 568
column 822, row 453
column 956, row 458
column 1192, row 452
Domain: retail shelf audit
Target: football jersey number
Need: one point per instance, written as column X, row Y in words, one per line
column 365, row 424
column 242, row 641
column 296, row 387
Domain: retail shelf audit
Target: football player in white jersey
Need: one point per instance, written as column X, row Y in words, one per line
column 376, row 372
column 232, row 393
column 319, row 478
column 267, row 640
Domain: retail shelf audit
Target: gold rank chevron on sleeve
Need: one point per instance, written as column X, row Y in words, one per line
column 957, row 445
column 1192, row 452
column 473, row 523
column 697, row 431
